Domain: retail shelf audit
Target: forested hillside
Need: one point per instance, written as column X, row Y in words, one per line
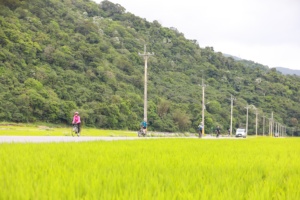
column 58, row 56
column 288, row 71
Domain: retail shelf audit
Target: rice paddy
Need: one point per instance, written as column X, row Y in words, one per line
column 41, row 130
column 174, row 168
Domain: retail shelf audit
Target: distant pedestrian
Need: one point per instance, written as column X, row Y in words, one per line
column 200, row 127
column 218, row 130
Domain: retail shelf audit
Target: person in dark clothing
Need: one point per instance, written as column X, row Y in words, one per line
column 144, row 126
column 200, row 127
column 218, row 130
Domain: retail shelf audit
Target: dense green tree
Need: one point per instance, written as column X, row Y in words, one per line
column 57, row 57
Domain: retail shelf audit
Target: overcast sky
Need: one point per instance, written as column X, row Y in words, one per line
column 264, row 31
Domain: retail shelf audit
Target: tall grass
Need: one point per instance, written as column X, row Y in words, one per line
column 264, row 168
column 36, row 130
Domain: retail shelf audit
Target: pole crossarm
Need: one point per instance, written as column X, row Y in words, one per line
column 146, row 54
column 252, row 107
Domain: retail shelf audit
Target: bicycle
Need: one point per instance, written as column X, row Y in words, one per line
column 142, row 132
column 75, row 130
column 200, row 133
column 218, row 133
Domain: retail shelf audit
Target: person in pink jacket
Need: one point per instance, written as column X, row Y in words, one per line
column 76, row 120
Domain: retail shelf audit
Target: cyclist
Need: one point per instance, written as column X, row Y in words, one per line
column 144, row 126
column 218, row 130
column 76, row 121
column 200, row 127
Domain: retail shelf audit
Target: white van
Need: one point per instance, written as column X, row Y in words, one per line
column 240, row 132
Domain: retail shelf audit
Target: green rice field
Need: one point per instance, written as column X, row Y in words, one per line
column 164, row 168
column 42, row 130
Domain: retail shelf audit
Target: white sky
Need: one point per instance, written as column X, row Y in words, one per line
column 264, row 31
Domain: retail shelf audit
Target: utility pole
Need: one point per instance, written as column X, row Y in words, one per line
column 271, row 125
column 264, row 121
column 247, row 107
column 280, row 130
column 285, row 129
column 146, row 56
column 203, row 104
column 231, row 99
column 256, row 113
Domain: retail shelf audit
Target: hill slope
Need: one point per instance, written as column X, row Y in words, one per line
column 287, row 71
column 60, row 56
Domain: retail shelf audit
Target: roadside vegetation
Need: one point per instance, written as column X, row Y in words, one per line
column 18, row 129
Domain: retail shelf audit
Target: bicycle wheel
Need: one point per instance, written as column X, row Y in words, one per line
column 75, row 129
column 139, row 133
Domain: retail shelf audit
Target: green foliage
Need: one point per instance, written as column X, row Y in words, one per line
column 61, row 56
